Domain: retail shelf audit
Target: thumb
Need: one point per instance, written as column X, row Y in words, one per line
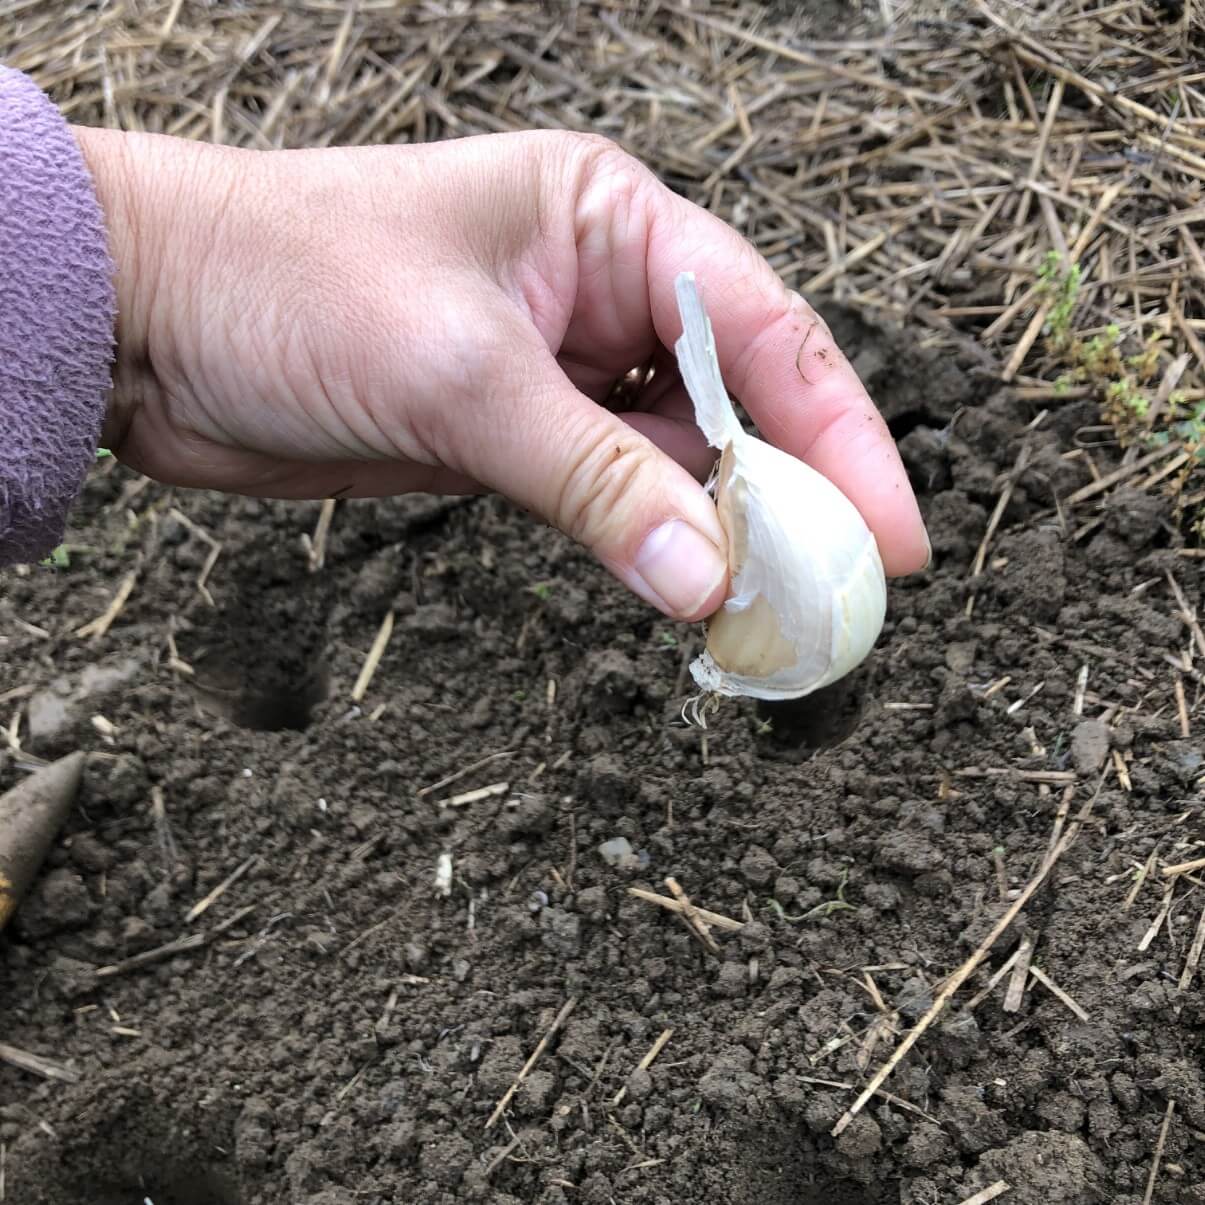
column 607, row 486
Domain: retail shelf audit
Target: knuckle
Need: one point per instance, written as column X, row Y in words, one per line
column 589, row 145
column 603, row 473
column 603, row 164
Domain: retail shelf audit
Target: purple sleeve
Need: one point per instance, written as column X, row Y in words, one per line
column 57, row 315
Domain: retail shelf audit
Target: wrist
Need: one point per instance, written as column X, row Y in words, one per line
column 141, row 183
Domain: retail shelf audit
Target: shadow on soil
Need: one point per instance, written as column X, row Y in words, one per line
column 795, row 729
column 180, row 1186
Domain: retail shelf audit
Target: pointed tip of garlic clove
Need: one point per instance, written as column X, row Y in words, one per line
column 808, row 591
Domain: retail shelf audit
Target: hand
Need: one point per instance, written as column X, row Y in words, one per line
column 450, row 318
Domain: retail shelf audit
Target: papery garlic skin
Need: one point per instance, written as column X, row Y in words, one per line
column 808, row 594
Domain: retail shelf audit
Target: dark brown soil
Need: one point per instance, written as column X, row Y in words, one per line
column 346, row 1039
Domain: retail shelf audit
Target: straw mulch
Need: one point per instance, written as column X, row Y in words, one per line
column 969, row 167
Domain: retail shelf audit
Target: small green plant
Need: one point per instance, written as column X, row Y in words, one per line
column 542, row 590
column 1188, row 424
column 667, row 640
column 60, row 558
column 1123, row 379
column 827, row 908
column 1061, row 287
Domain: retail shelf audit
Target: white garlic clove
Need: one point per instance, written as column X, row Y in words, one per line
column 808, row 593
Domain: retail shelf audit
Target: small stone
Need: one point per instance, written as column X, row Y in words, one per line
column 618, row 852
column 481, row 713
column 1089, row 746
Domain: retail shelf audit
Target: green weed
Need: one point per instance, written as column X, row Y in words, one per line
column 1124, row 379
column 827, row 908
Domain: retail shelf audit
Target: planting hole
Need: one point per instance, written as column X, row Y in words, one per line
column 273, row 694
column 132, row 1152
column 184, row 1187
column 840, row 1192
column 796, row 728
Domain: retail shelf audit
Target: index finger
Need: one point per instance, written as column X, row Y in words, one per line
column 780, row 360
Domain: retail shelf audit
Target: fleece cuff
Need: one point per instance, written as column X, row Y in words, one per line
column 57, row 321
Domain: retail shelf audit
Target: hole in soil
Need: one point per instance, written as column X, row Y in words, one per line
column 839, row 1192
column 274, row 694
column 907, row 422
column 795, row 728
column 783, row 1167
column 193, row 1187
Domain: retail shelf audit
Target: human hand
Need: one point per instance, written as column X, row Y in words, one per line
column 449, row 318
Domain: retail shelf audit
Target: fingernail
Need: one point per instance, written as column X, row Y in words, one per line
column 929, row 547
column 678, row 569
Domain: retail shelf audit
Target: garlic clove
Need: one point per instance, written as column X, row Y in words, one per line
column 808, row 592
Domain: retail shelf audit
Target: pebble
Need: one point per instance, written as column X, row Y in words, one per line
column 1089, row 746
column 618, row 852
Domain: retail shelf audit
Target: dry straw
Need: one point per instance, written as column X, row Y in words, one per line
column 975, row 168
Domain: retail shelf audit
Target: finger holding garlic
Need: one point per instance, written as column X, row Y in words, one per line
column 808, row 592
